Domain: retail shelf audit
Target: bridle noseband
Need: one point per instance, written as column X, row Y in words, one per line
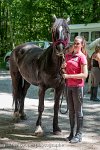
column 64, row 42
column 59, row 41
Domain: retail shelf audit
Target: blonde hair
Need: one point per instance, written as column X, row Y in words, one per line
column 83, row 41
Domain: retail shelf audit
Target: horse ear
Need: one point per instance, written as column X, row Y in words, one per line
column 68, row 20
column 54, row 17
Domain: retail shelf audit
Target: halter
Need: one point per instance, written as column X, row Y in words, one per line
column 57, row 42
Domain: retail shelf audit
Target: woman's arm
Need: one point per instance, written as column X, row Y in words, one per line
column 82, row 75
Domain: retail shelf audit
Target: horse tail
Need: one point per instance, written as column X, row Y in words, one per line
column 17, row 80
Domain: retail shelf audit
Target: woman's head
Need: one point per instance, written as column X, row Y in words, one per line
column 96, row 54
column 79, row 43
column 97, row 48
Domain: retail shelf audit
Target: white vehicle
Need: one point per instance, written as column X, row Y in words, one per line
column 90, row 32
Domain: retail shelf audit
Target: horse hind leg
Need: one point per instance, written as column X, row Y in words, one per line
column 18, row 90
column 15, row 76
column 19, row 97
column 25, row 86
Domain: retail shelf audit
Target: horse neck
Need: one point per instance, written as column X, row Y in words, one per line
column 57, row 61
column 49, row 61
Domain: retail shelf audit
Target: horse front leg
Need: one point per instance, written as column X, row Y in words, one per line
column 39, row 131
column 56, row 129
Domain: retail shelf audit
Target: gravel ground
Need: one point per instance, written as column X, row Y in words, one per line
column 20, row 136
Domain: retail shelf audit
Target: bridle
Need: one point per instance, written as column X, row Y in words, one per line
column 56, row 42
column 59, row 41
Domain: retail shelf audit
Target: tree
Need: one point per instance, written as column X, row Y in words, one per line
column 27, row 20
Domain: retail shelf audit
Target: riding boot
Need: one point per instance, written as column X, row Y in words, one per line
column 94, row 91
column 72, row 124
column 92, row 96
column 95, row 94
column 78, row 136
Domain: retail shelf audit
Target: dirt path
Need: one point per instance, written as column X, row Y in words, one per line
column 20, row 136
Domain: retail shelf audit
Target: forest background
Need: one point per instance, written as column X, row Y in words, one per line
column 31, row 20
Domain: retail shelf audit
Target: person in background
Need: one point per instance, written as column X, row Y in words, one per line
column 89, row 75
column 97, row 54
column 98, row 57
column 95, row 73
column 76, row 71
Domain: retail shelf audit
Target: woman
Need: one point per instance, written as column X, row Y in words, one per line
column 76, row 72
column 96, row 56
column 95, row 73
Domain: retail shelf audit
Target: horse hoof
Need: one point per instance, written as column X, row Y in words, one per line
column 38, row 132
column 16, row 117
column 16, row 120
column 23, row 117
column 57, row 133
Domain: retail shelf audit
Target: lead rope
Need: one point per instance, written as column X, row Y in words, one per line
column 61, row 103
column 62, row 95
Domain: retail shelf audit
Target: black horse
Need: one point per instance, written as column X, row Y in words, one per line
column 29, row 64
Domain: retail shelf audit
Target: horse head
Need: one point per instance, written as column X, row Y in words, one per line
column 60, row 34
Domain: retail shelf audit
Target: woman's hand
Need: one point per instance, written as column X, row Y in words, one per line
column 63, row 66
column 65, row 76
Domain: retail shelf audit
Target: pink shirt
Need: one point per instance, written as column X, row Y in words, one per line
column 74, row 62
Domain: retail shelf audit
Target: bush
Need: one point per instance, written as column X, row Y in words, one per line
column 2, row 63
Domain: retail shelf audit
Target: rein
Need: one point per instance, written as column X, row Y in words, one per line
column 62, row 95
column 61, row 102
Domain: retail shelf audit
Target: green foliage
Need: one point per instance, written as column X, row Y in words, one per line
column 29, row 20
column 2, row 63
